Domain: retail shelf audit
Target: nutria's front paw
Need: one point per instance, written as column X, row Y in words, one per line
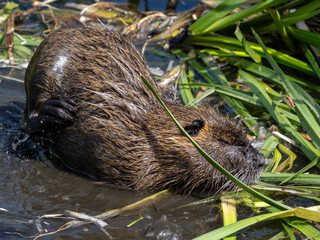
column 54, row 115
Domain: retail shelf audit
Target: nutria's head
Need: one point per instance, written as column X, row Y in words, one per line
column 224, row 140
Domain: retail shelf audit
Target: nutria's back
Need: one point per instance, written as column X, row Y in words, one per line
column 85, row 93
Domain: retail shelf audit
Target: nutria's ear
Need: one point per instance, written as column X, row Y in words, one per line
column 194, row 128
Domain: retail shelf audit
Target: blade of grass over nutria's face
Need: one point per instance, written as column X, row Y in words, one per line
column 216, row 24
column 253, row 192
column 304, row 213
column 308, row 121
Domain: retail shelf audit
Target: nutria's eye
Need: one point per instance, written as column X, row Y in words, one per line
column 224, row 141
column 194, row 128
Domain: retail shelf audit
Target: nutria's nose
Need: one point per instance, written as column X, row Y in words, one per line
column 254, row 156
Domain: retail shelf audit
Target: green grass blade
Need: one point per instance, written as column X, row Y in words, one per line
column 301, row 171
column 306, row 179
column 312, row 104
column 309, row 231
column 276, row 159
column 185, row 90
column 289, row 231
column 305, row 36
column 227, row 91
column 26, row 40
column 215, row 14
column 224, row 53
column 294, row 17
column 311, row 59
column 256, row 57
column 291, row 116
column 200, row 68
column 302, row 13
column 286, row 165
column 236, row 105
column 260, row 21
column 290, row 20
column 300, row 212
column 219, row 24
column 203, row 95
column 281, row 28
column 301, row 225
column 244, row 97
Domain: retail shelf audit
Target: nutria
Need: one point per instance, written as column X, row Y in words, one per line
column 85, row 93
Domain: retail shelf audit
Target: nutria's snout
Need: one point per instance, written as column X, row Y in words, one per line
column 110, row 126
column 255, row 158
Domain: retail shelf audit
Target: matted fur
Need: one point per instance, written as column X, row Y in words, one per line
column 120, row 132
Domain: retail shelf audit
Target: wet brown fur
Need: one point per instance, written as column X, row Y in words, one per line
column 120, row 132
